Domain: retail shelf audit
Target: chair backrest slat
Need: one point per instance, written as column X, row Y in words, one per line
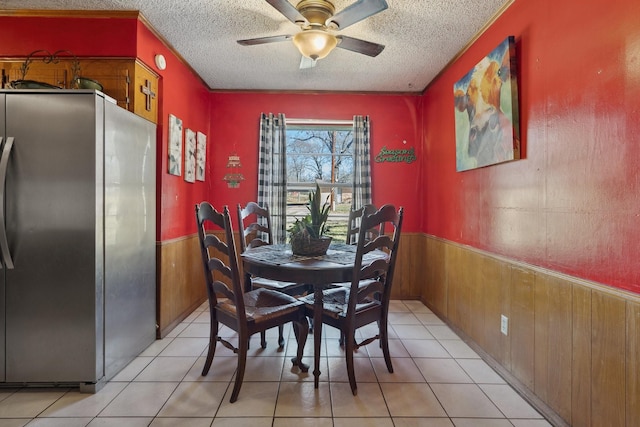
column 385, row 218
column 353, row 224
column 213, row 250
column 254, row 222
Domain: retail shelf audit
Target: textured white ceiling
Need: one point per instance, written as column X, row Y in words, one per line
column 421, row 37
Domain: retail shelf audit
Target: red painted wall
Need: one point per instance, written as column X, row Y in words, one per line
column 21, row 35
column 181, row 92
column 184, row 95
column 394, row 120
column 572, row 204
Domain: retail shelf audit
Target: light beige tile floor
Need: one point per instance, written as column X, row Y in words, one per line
column 438, row 381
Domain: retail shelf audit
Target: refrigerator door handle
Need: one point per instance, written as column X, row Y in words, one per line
column 4, row 164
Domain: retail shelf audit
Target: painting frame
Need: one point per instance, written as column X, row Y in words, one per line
column 486, row 110
column 175, row 146
column 189, row 155
column 201, row 155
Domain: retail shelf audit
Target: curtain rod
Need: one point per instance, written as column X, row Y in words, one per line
column 317, row 122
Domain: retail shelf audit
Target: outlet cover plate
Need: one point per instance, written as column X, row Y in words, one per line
column 504, row 324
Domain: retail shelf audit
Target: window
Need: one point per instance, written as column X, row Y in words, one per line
column 323, row 154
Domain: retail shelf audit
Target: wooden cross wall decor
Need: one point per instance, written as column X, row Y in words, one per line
column 148, row 94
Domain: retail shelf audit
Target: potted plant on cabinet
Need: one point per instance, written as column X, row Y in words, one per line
column 307, row 234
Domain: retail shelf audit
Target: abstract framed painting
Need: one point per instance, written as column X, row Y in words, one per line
column 201, row 155
column 486, row 110
column 175, row 145
column 190, row 156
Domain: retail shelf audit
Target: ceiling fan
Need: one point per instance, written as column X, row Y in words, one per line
column 318, row 23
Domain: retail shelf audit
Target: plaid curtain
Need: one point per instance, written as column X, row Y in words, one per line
column 272, row 172
column 361, row 162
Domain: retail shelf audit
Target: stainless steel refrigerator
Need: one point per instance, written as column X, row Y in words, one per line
column 77, row 237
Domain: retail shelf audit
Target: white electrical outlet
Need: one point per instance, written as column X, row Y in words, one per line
column 504, row 324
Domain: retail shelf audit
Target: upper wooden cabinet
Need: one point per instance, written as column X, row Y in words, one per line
column 129, row 81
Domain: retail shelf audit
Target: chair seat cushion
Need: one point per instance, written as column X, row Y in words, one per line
column 261, row 282
column 262, row 304
column 335, row 300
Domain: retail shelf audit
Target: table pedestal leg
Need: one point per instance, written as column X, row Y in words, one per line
column 317, row 332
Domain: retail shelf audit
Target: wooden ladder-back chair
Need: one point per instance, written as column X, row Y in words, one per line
column 353, row 231
column 353, row 224
column 366, row 300
column 246, row 313
column 254, row 222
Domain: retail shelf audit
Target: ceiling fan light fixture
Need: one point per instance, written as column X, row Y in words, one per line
column 315, row 44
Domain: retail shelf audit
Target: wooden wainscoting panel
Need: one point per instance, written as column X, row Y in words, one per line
column 475, row 304
column 553, row 334
column 455, row 300
column 608, row 367
column 491, row 306
column 633, row 364
column 496, row 276
column 434, row 293
column 581, row 363
column 180, row 289
column 410, row 275
column 573, row 346
column 521, row 325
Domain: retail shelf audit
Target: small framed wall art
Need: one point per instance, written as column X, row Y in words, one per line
column 201, row 155
column 190, row 156
column 175, row 145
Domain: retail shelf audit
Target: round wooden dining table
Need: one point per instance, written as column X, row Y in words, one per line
column 277, row 262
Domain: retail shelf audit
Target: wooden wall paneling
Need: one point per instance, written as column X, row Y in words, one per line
column 491, row 296
column 475, row 303
column 507, row 286
column 541, row 331
column 496, row 302
column 633, row 364
column 434, row 294
column 572, row 346
column 409, row 277
column 553, row 348
column 453, row 262
column 608, row 368
column 180, row 289
column 581, row 355
column 521, row 325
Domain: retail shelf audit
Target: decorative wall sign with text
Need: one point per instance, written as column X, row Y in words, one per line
column 402, row 155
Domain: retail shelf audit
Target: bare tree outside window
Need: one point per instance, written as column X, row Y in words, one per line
column 323, row 155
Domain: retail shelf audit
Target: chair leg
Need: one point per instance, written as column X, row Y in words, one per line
column 263, row 340
column 242, row 363
column 213, row 340
column 300, row 329
column 281, row 336
column 384, row 343
column 349, row 349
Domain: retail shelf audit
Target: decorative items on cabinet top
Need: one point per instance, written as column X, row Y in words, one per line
column 130, row 82
column 77, row 81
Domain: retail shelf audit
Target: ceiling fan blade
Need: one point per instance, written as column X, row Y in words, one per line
column 307, row 63
column 360, row 46
column 356, row 12
column 288, row 10
column 264, row 40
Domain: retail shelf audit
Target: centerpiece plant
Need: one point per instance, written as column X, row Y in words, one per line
column 307, row 233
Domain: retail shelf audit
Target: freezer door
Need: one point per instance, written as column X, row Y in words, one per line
column 54, row 205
